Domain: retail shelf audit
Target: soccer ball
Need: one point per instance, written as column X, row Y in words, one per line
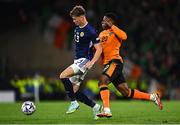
column 28, row 108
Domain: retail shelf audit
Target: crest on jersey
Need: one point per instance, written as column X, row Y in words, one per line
column 81, row 34
column 110, row 33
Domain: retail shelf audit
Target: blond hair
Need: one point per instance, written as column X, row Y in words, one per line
column 78, row 10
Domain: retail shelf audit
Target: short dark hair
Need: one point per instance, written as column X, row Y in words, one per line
column 113, row 16
column 77, row 11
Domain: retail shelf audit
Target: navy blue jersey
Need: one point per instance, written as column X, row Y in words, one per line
column 84, row 39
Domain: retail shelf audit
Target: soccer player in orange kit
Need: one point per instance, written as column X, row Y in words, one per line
column 111, row 39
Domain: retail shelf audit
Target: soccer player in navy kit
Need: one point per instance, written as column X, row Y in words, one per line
column 85, row 38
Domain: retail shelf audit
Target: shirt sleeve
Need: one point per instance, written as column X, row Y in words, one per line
column 95, row 38
column 120, row 33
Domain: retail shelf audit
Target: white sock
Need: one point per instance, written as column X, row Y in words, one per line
column 106, row 109
column 152, row 97
column 96, row 106
column 74, row 101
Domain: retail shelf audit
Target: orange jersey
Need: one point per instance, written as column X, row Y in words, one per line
column 111, row 40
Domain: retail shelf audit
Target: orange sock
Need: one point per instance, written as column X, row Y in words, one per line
column 140, row 95
column 105, row 97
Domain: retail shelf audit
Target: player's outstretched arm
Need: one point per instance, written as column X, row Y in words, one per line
column 96, row 56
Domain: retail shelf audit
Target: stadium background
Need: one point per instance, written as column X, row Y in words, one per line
column 36, row 45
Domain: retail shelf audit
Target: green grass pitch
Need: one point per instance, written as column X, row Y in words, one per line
column 124, row 112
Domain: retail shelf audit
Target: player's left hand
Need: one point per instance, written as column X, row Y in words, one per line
column 89, row 65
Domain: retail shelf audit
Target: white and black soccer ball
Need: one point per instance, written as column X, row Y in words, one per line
column 28, row 108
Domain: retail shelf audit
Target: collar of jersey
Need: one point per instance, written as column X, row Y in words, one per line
column 84, row 25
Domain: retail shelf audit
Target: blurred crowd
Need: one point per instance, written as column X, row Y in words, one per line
column 152, row 27
column 153, row 43
column 48, row 87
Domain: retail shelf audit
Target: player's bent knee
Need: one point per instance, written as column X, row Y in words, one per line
column 100, row 85
column 62, row 76
column 125, row 93
column 123, row 88
column 128, row 93
column 103, row 83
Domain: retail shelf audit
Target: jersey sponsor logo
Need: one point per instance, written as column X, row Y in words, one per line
column 110, row 33
column 81, row 34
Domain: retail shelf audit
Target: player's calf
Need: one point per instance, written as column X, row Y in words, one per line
column 136, row 94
